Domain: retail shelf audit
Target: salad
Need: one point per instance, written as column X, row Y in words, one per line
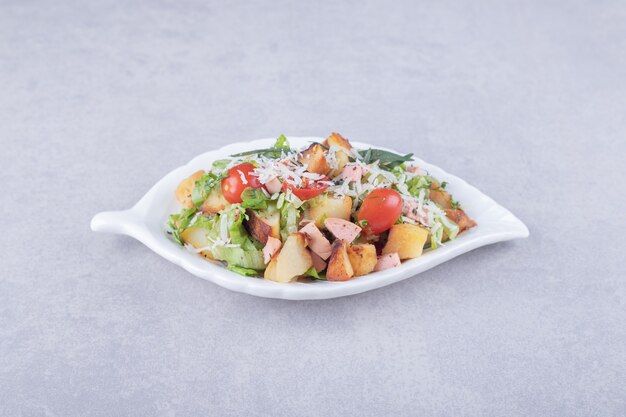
column 327, row 212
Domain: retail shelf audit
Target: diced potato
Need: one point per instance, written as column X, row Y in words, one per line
column 263, row 225
column 407, row 240
column 215, row 202
column 315, row 159
column 292, row 261
column 362, row 258
column 183, row 192
column 196, row 237
column 271, row 270
column 339, row 266
column 461, row 219
column 325, row 206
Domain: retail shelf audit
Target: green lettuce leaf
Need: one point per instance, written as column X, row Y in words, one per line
column 218, row 166
column 202, row 188
column 415, row 184
column 289, row 215
column 179, row 222
column 311, row 272
column 246, row 272
column 248, row 254
column 254, row 198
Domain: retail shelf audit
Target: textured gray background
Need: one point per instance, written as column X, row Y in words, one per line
column 525, row 100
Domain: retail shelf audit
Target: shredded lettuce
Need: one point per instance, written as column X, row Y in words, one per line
column 179, row 222
column 289, row 215
column 241, row 251
column 415, row 184
column 436, row 235
column 280, row 201
column 237, row 256
column 293, row 199
column 450, row 227
column 236, row 230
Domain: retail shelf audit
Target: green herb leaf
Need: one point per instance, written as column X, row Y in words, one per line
column 254, row 198
column 387, row 160
column 282, row 143
column 269, row 152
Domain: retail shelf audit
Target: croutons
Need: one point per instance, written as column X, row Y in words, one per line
column 183, row 192
column 314, row 157
column 362, row 258
column 407, row 240
column 339, row 266
column 461, row 219
column 215, row 202
column 440, row 196
column 335, row 139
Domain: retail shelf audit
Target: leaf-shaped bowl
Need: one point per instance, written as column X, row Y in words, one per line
column 146, row 220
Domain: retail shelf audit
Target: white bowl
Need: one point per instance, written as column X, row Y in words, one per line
column 145, row 221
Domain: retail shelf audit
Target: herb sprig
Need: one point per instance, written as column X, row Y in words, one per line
column 281, row 145
column 386, row 160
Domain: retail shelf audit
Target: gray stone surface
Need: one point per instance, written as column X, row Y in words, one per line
column 526, row 100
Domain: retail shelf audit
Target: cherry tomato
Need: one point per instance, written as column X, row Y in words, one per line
column 381, row 208
column 238, row 179
column 310, row 189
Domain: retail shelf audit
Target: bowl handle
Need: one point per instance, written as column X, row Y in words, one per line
column 118, row 222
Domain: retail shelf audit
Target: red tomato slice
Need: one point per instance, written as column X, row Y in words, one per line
column 310, row 189
column 239, row 178
column 381, row 208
